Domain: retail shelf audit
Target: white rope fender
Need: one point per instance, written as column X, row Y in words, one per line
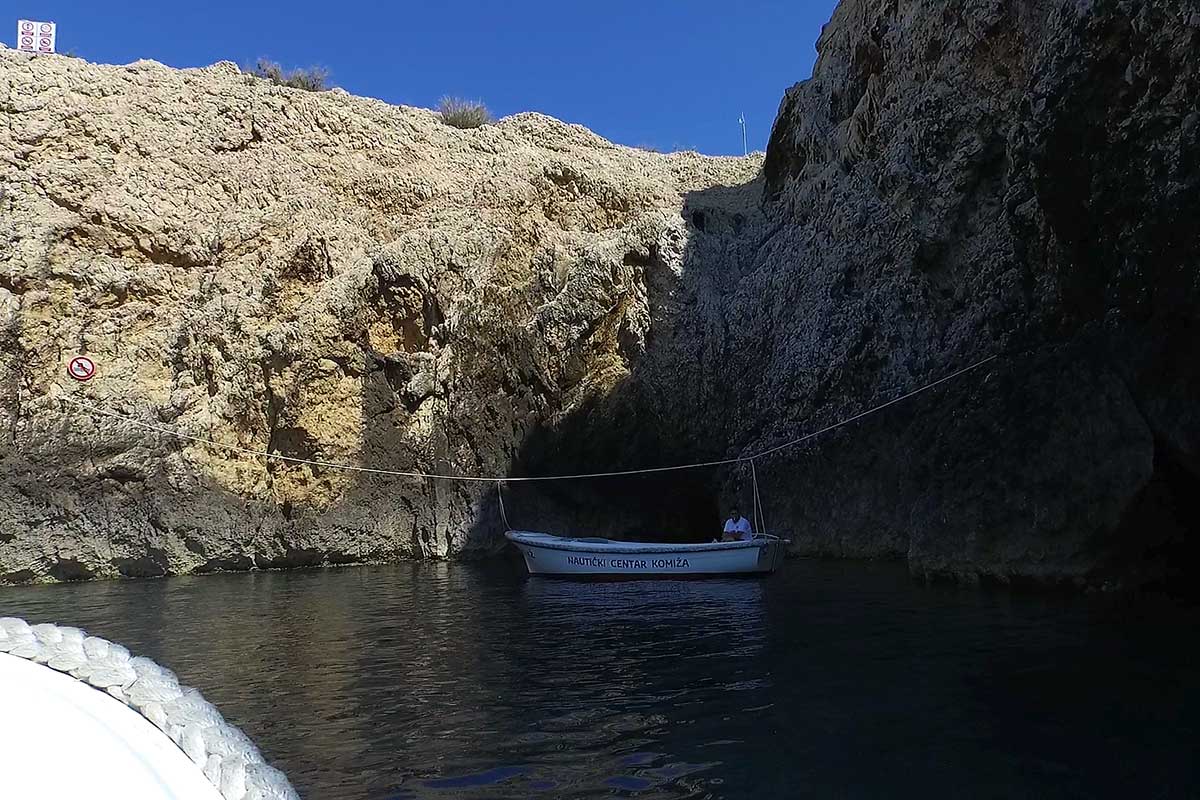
column 228, row 758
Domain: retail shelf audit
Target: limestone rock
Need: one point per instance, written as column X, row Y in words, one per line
column 955, row 181
column 333, row 279
column 990, row 177
column 318, row 276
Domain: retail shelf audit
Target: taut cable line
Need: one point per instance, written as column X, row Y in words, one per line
column 163, row 429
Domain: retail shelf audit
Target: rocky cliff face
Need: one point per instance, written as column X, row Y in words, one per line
column 319, row 276
column 1018, row 179
column 336, row 279
column 989, row 177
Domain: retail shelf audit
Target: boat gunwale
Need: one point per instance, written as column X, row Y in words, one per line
column 577, row 546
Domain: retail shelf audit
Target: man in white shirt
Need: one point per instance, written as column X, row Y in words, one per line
column 737, row 528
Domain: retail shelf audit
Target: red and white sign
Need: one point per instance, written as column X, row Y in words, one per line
column 36, row 37
column 81, row 368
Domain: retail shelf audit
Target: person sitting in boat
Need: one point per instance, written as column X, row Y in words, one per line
column 737, row 528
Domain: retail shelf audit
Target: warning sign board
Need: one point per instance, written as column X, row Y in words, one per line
column 36, row 37
column 81, row 368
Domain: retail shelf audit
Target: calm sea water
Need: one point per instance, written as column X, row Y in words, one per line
column 827, row 680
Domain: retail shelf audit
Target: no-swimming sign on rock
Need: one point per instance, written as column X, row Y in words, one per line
column 36, row 37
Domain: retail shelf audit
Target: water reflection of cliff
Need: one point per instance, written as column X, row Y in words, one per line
column 589, row 684
column 436, row 680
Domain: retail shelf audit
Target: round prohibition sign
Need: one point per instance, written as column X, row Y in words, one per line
column 81, row 368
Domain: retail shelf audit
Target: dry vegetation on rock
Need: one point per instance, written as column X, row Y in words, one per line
column 459, row 113
column 310, row 79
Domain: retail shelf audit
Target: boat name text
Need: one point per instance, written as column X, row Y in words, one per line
column 627, row 563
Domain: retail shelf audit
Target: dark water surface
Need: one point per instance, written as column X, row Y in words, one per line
column 827, row 680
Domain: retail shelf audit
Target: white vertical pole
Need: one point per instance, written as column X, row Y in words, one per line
column 742, row 122
column 760, row 521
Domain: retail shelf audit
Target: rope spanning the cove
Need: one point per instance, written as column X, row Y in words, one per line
column 227, row 757
column 95, row 409
column 373, row 470
column 870, row 411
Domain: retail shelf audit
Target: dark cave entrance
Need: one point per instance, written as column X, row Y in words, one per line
column 625, row 430
column 1158, row 542
column 675, row 506
column 663, row 507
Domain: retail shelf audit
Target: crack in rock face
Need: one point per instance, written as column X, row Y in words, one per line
column 335, row 279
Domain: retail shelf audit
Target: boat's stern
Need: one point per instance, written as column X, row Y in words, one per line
column 770, row 558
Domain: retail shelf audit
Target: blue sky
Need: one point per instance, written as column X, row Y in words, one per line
column 659, row 73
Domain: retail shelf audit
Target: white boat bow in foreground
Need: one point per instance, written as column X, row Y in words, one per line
column 82, row 718
column 546, row 554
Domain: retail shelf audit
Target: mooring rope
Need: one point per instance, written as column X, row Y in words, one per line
column 760, row 521
column 66, row 398
column 500, row 497
column 869, row 411
column 228, row 758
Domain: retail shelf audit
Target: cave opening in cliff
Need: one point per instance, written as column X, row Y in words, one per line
column 1158, row 550
column 666, row 507
column 623, row 430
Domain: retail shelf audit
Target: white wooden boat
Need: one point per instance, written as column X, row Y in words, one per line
column 546, row 554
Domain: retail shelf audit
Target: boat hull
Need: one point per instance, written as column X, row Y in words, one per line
column 557, row 556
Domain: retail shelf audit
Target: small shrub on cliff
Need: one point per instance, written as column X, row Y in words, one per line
column 312, row 79
column 459, row 113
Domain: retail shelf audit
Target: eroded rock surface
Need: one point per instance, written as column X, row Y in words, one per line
column 336, row 279
column 955, row 181
column 320, row 276
column 960, row 180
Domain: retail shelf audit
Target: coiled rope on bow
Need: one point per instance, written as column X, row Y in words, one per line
column 228, row 758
